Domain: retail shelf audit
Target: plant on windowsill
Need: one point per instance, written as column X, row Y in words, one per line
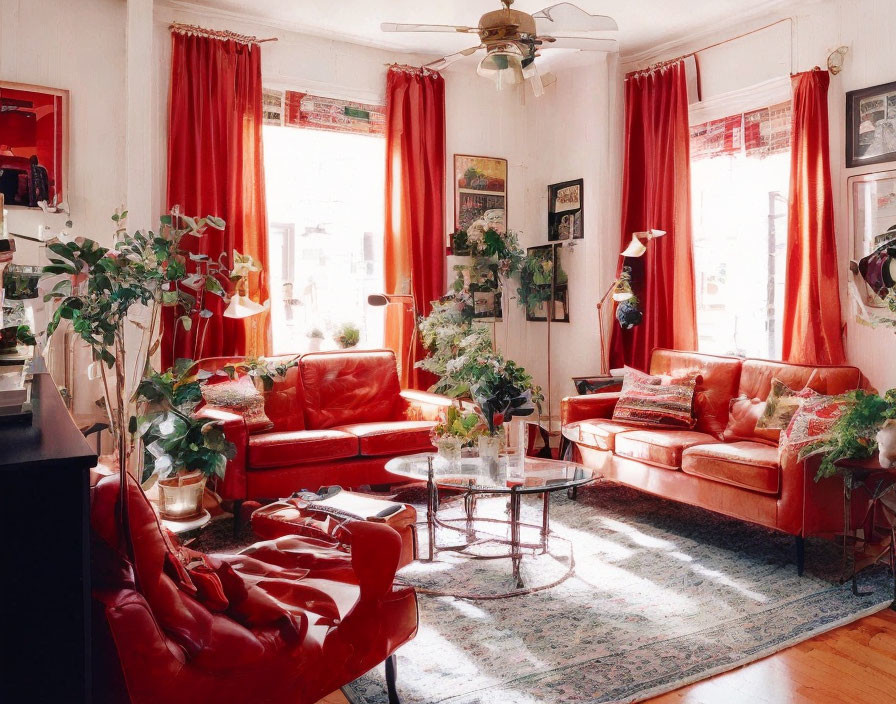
column 348, row 335
column 858, row 432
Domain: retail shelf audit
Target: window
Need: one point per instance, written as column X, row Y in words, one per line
column 740, row 171
column 325, row 193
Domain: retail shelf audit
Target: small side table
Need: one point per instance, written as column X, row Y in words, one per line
column 189, row 529
column 878, row 524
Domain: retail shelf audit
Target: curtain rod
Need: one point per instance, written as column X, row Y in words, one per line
column 694, row 53
column 217, row 33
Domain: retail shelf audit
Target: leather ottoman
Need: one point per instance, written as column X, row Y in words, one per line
column 312, row 515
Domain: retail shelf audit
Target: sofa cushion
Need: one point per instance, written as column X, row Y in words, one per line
column 751, row 465
column 350, row 387
column 391, row 438
column 298, row 446
column 716, row 387
column 597, row 433
column 655, row 401
column 239, row 396
column 743, row 414
column 662, row 448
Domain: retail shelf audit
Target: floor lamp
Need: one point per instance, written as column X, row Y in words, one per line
column 405, row 299
column 621, row 289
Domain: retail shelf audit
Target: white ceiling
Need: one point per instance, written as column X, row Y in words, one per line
column 643, row 24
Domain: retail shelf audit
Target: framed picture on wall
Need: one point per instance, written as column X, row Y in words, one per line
column 480, row 191
column 33, row 144
column 871, row 125
column 565, row 211
column 542, row 277
column 872, row 228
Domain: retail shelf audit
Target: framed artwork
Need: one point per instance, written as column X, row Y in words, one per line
column 536, row 281
column 33, row 144
column 480, row 191
column 872, row 208
column 565, row 211
column 871, row 125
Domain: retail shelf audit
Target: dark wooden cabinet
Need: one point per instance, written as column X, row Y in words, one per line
column 44, row 550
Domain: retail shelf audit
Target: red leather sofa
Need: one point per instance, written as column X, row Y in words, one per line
column 283, row 621
column 338, row 418
column 744, row 477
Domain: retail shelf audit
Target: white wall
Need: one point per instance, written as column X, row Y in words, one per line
column 78, row 46
column 813, row 31
column 561, row 136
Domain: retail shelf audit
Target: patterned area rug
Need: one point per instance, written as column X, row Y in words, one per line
column 663, row 595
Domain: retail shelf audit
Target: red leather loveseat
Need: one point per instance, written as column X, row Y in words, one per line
column 338, row 417
column 284, row 621
column 739, row 475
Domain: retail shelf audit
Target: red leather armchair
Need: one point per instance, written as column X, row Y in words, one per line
column 730, row 468
column 287, row 620
column 338, row 418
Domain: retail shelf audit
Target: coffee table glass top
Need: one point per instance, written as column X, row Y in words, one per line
column 485, row 476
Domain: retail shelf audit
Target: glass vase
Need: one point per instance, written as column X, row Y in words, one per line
column 180, row 497
column 448, row 448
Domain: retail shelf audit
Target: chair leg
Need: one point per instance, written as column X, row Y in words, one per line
column 391, row 673
column 237, row 510
column 800, row 554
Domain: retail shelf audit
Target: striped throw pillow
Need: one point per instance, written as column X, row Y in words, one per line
column 657, row 402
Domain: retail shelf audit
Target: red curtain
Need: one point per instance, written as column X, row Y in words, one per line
column 812, row 323
column 215, row 167
column 415, row 203
column 657, row 194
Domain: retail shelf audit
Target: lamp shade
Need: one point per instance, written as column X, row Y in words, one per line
column 635, row 248
column 241, row 306
column 503, row 66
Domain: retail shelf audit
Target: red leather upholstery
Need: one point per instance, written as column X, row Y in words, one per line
column 298, row 517
column 743, row 477
column 392, row 438
column 287, row 620
column 350, row 387
column 596, row 433
column 297, row 446
column 338, row 418
column 751, row 465
column 716, row 386
column 662, row 448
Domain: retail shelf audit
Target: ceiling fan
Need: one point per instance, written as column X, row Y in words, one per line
column 513, row 39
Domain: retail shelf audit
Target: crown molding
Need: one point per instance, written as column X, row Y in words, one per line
column 751, row 19
column 292, row 27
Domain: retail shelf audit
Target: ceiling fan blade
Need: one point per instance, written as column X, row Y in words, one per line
column 583, row 43
column 439, row 64
column 566, row 17
column 394, row 27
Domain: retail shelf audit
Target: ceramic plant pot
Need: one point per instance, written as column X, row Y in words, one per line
column 180, row 497
column 886, row 444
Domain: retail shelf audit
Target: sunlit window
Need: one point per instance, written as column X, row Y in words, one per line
column 325, row 218
column 740, row 171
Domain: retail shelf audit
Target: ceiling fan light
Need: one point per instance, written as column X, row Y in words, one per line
column 503, row 67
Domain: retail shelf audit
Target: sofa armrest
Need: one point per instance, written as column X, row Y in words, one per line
column 423, row 405
column 234, row 485
column 807, row 507
column 575, row 408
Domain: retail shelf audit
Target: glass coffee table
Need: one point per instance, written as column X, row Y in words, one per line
column 473, row 477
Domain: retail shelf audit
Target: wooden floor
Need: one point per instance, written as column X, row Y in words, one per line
column 855, row 664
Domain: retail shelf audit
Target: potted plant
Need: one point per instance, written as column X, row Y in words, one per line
column 865, row 425
column 348, row 335
column 455, row 430
column 179, row 448
column 315, row 339
column 12, row 336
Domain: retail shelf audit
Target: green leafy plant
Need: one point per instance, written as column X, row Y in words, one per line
column 174, row 438
column 104, row 285
column 455, row 423
column 503, row 389
column 853, row 434
column 348, row 335
column 265, row 370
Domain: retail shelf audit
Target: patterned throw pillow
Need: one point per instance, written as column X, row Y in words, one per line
column 813, row 422
column 743, row 415
column 655, row 401
column 781, row 404
column 241, row 397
